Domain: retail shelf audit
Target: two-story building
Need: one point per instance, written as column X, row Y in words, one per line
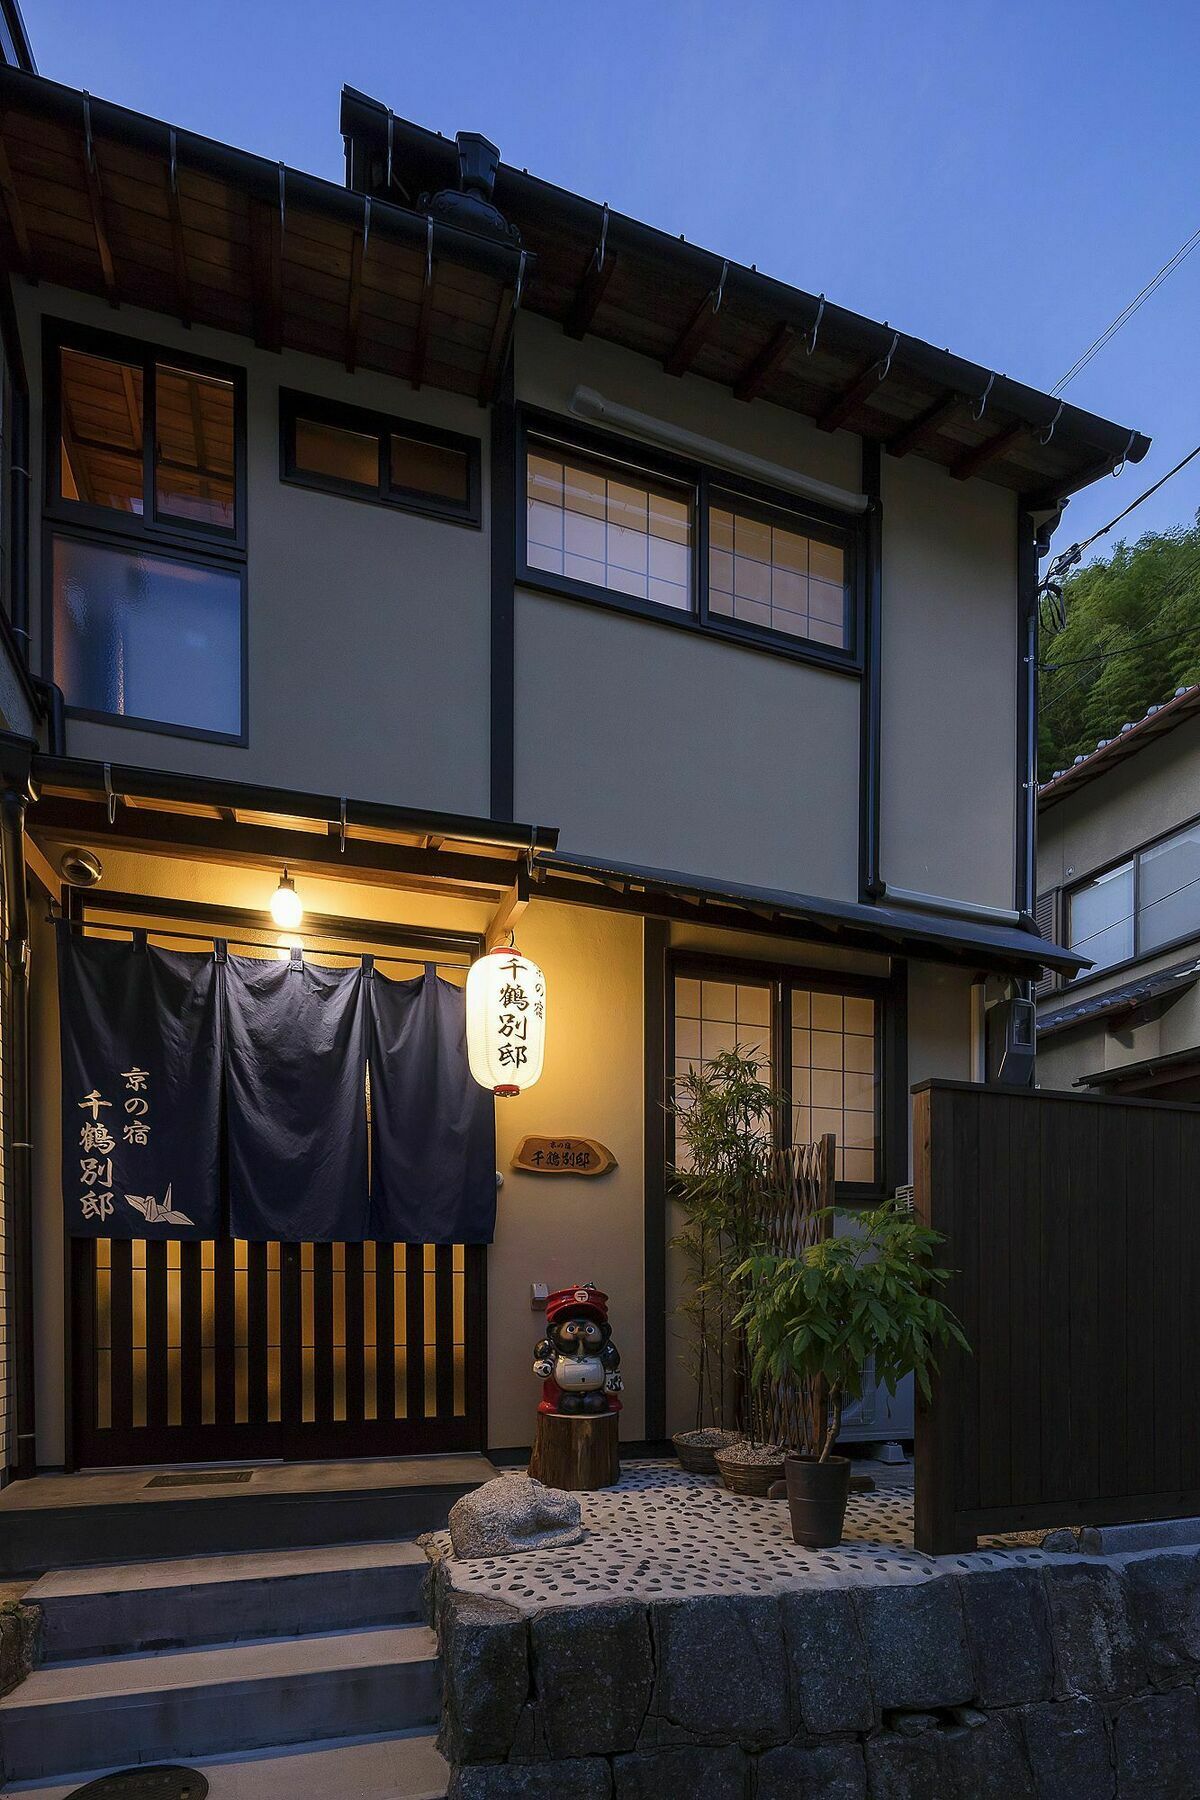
column 347, row 527
column 1119, row 870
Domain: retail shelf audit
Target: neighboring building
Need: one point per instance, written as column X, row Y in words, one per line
column 1119, row 869
column 365, row 521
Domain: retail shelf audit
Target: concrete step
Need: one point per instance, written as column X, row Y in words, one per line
column 173, row 1705
column 121, row 1608
column 406, row 1766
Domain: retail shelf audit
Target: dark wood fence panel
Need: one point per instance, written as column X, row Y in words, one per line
column 1073, row 1228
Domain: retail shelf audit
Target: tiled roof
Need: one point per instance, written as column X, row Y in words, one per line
column 1127, row 997
column 1134, row 735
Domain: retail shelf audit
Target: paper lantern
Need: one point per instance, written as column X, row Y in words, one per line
column 506, row 1021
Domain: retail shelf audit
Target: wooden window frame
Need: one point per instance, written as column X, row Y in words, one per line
column 889, row 993
column 180, row 540
column 1133, row 856
column 294, row 405
column 706, row 485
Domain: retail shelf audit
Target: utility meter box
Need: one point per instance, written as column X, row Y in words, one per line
column 1011, row 1042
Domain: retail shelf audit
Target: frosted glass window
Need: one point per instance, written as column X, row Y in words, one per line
column 1100, row 918
column 1169, row 890
column 146, row 636
column 601, row 524
column 764, row 573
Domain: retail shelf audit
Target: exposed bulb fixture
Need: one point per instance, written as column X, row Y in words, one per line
column 286, row 907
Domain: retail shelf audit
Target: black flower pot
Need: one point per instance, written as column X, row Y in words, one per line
column 816, row 1495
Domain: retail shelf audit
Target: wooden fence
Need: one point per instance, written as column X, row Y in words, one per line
column 1073, row 1226
column 802, row 1191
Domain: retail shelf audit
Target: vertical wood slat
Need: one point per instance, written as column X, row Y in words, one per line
column 995, row 1313
column 191, row 1387
column 256, row 1333
column 385, row 1328
column 444, row 1288
column 156, row 1334
column 414, row 1293
column 224, row 1359
column 291, row 1373
column 1086, row 1320
column 1169, row 1393
column 1029, row 1251
column 354, row 1331
column 121, row 1314
column 323, row 1333
column 1189, row 1284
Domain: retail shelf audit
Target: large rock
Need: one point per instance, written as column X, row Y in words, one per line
column 582, row 1778
column 1067, row 1745
column 20, row 1630
column 1163, row 1597
column 916, row 1646
column 722, row 1671
column 1098, row 1654
column 822, row 1772
column 1008, row 1630
column 715, row 1774
column 514, row 1512
column 987, row 1761
column 827, row 1661
column 593, row 1674
column 484, row 1647
column 1157, row 1744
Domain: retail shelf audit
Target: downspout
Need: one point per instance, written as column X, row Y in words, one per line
column 16, row 756
column 1025, row 846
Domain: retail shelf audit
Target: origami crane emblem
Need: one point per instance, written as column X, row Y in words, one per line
column 155, row 1213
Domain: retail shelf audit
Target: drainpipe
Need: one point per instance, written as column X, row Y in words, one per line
column 16, row 758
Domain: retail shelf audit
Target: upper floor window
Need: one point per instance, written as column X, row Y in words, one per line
column 145, row 485
column 670, row 542
column 1147, row 903
column 369, row 456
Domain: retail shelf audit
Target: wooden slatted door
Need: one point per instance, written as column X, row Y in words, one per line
column 226, row 1350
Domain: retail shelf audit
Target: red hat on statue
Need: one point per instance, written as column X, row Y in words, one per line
column 583, row 1297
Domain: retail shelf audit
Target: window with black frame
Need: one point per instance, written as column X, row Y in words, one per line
column 686, row 546
column 1147, row 903
column 145, row 507
column 362, row 455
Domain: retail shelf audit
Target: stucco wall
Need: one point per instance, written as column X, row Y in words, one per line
column 949, row 684
column 368, row 627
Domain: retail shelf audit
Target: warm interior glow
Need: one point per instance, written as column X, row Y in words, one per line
column 286, row 907
column 506, row 1021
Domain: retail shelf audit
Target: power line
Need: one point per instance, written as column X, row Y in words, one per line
column 1100, row 656
column 1126, row 917
column 1052, row 579
column 1123, row 318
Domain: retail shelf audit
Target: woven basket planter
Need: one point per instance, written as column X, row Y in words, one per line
column 699, row 1459
column 749, row 1478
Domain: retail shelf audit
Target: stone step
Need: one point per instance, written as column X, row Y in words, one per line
column 406, row 1766
column 120, row 1608
column 174, row 1704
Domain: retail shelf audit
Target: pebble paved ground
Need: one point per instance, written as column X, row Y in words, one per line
column 661, row 1533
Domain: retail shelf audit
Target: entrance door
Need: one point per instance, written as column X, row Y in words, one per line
column 227, row 1350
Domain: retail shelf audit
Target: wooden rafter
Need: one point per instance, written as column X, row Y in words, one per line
column 697, row 331
column 14, row 209
column 988, row 451
column 266, row 269
column 178, row 247
column 589, row 294
column 925, row 424
column 769, row 360
column 354, row 299
column 502, row 326
column 512, row 904
column 424, row 314
column 95, row 192
column 865, row 382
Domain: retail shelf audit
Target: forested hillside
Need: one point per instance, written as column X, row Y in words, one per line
column 1132, row 637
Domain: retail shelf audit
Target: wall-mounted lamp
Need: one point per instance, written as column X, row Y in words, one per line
column 287, row 910
column 506, row 1021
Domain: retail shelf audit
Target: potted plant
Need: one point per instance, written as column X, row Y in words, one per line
column 723, row 1113
column 872, row 1291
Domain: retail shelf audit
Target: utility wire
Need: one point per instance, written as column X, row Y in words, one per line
column 1123, row 318
column 1126, row 917
column 1051, row 582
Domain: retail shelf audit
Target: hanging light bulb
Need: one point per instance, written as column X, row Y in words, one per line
column 286, row 907
column 506, row 1021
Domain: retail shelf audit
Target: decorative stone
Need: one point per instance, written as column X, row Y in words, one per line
column 1098, row 1654
column 987, row 1761
column 484, row 1647
column 20, row 1629
column 717, row 1774
column 900, row 1768
column 722, row 1669
column 827, row 1661
column 593, row 1674
column 513, row 1512
column 1008, row 1629
column 1061, row 1542
column 1157, row 1745
column 914, row 1723
column 583, row 1778
column 1163, row 1597
column 824, row 1772
column 1067, row 1745
column 916, row 1646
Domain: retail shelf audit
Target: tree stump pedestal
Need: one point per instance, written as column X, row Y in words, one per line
column 576, row 1451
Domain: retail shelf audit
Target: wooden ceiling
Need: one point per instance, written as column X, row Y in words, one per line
column 598, row 271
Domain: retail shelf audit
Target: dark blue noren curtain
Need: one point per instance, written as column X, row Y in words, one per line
column 433, row 1164
column 295, row 1086
column 141, row 1088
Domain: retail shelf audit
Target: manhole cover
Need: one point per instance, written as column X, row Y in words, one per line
column 165, row 1782
column 200, row 1478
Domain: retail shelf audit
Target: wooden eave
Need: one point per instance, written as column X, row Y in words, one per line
column 104, row 200
column 652, row 293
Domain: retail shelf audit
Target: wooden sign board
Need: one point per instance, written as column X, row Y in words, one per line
column 563, row 1156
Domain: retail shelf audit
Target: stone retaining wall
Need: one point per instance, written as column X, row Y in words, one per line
column 1074, row 1679
column 20, row 1627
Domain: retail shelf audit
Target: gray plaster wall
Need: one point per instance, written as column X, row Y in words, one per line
column 368, row 627
column 1074, row 1679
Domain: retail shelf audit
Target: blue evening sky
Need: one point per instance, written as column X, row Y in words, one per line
column 999, row 176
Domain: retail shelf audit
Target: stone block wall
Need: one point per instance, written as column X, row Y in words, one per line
column 20, row 1628
column 1074, row 1680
